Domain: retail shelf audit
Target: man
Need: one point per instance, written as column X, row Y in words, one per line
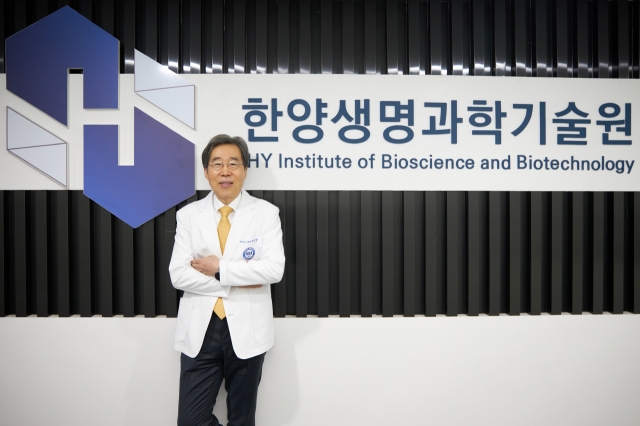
column 228, row 249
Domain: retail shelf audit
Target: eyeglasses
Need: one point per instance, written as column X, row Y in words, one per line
column 231, row 165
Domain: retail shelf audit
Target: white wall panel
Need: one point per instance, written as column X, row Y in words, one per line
column 551, row 370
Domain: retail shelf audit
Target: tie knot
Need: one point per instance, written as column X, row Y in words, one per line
column 225, row 211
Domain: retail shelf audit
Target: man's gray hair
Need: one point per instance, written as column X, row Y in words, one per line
column 226, row 140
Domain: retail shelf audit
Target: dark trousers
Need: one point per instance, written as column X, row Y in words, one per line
column 200, row 380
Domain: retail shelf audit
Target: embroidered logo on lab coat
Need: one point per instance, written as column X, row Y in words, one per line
column 249, row 253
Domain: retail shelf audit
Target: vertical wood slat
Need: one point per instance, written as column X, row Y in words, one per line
column 376, row 285
column 127, row 34
column 354, row 239
column 460, row 37
column 301, row 237
column 560, row 250
column 388, row 251
column 290, row 249
column 102, row 273
column 544, row 13
column 564, row 40
column 381, row 37
column 283, row 37
column 60, row 255
column 344, row 253
column 195, row 36
column 518, row 253
column 217, row 37
column 323, row 253
column 410, row 209
column 185, row 37
column 166, row 237
column 366, row 253
column 397, row 251
column 600, row 253
column 502, row 37
column 279, row 290
column 624, row 63
column 18, row 263
column 261, row 36
column 456, row 253
column 303, row 64
column 581, row 250
column 482, row 45
column 106, row 16
column 370, row 37
column 145, row 274
column 81, row 282
column 522, row 32
column 392, row 37
column 619, row 251
column 539, row 253
column 39, row 252
column 604, row 66
column 498, row 252
column 252, row 22
column 293, row 28
column 348, row 37
column 124, row 267
column 583, row 40
column 312, row 253
column 169, row 40
column 438, row 38
column 334, row 252
column 435, row 252
column 326, row 37
column 19, row 16
column 414, row 40
column 151, row 27
column 239, row 41
column 85, row 7
column 477, row 248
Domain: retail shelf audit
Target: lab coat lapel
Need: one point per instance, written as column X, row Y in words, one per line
column 207, row 223
column 241, row 220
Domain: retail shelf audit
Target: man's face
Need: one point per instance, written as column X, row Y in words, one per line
column 225, row 183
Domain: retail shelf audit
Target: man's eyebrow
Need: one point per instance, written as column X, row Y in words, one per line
column 220, row 158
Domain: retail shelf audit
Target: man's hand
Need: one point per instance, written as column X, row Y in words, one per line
column 207, row 265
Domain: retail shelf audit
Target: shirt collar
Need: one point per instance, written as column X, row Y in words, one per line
column 217, row 204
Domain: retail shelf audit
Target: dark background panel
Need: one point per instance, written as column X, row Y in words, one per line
column 351, row 252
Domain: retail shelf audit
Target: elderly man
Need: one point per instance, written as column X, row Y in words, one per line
column 228, row 249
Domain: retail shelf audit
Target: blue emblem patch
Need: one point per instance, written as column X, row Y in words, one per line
column 249, row 253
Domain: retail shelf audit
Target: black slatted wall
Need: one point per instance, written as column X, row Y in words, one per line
column 446, row 252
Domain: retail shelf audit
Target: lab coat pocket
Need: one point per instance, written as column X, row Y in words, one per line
column 262, row 317
column 184, row 315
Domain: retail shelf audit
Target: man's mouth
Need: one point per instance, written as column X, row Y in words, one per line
column 226, row 184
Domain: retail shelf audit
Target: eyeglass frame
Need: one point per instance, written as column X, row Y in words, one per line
column 227, row 164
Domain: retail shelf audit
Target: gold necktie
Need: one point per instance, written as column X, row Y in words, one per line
column 223, row 232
